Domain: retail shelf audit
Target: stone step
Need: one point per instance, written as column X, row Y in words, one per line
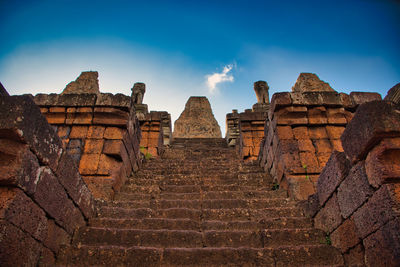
column 197, row 214
column 188, row 224
column 204, row 195
column 188, row 188
column 206, row 204
column 155, row 180
column 189, row 238
column 296, row 256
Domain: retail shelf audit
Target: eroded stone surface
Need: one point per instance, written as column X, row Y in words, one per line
column 394, row 94
column 197, row 120
column 309, row 82
column 86, row 83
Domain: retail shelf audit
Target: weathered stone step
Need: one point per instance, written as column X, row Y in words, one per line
column 204, row 195
column 197, row 181
column 198, row 204
column 189, row 238
column 189, row 224
column 188, row 188
column 154, row 180
column 147, row 223
column 197, row 214
column 313, row 255
column 266, row 223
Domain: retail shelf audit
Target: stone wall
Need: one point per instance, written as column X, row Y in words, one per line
column 251, row 129
column 152, row 125
column 357, row 201
column 100, row 132
column 43, row 198
column 302, row 130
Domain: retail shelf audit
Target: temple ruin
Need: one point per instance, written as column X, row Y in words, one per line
column 309, row 177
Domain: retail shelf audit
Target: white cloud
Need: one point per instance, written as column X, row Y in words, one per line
column 216, row 78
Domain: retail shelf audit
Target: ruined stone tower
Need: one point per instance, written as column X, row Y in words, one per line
column 197, row 120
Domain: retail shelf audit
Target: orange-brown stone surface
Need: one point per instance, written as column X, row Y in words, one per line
column 197, row 120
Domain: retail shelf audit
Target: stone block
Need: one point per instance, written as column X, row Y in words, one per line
column 323, row 158
column 332, row 175
column 322, row 146
column 56, row 237
column 354, row 190
column 329, row 218
column 44, row 110
column 382, row 248
column 93, row 146
column 331, row 99
column 336, row 116
column 21, row 211
column 25, row 252
column 292, row 115
column 311, row 205
column 280, row 100
column 309, row 162
column 108, row 165
column 57, row 109
column 284, row 132
column 55, row 118
column 83, row 115
column 113, row 133
column 355, row 257
column 89, row 164
column 96, row 132
column 317, row 133
column 380, row 208
column 47, row 258
column 306, row 98
column 78, row 132
column 45, row 99
column 22, row 119
column 300, row 188
column 63, row 131
column 51, row 196
column 110, row 116
column 317, row 115
column 110, row 100
column 345, row 236
column 113, row 148
column 305, row 145
column 100, row 186
column 153, row 151
column 334, row 132
column 337, row 145
column 383, row 162
column 372, row 122
column 301, row 132
column 154, row 135
column 18, row 166
column 346, row 101
column 359, row 98
column 75, row 100
column 288, row 146
column 69, row 177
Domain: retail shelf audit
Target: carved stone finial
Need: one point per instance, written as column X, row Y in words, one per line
column 261, row 88
column 138, row 91
column 86, row 83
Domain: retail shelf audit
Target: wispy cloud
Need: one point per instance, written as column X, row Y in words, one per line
column 214, row 79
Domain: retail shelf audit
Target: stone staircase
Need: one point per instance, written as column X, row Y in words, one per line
column 198, row 205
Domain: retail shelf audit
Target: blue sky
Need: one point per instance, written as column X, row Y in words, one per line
column 212, row 48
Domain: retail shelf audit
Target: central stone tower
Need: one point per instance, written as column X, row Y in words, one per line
column 197, row 120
